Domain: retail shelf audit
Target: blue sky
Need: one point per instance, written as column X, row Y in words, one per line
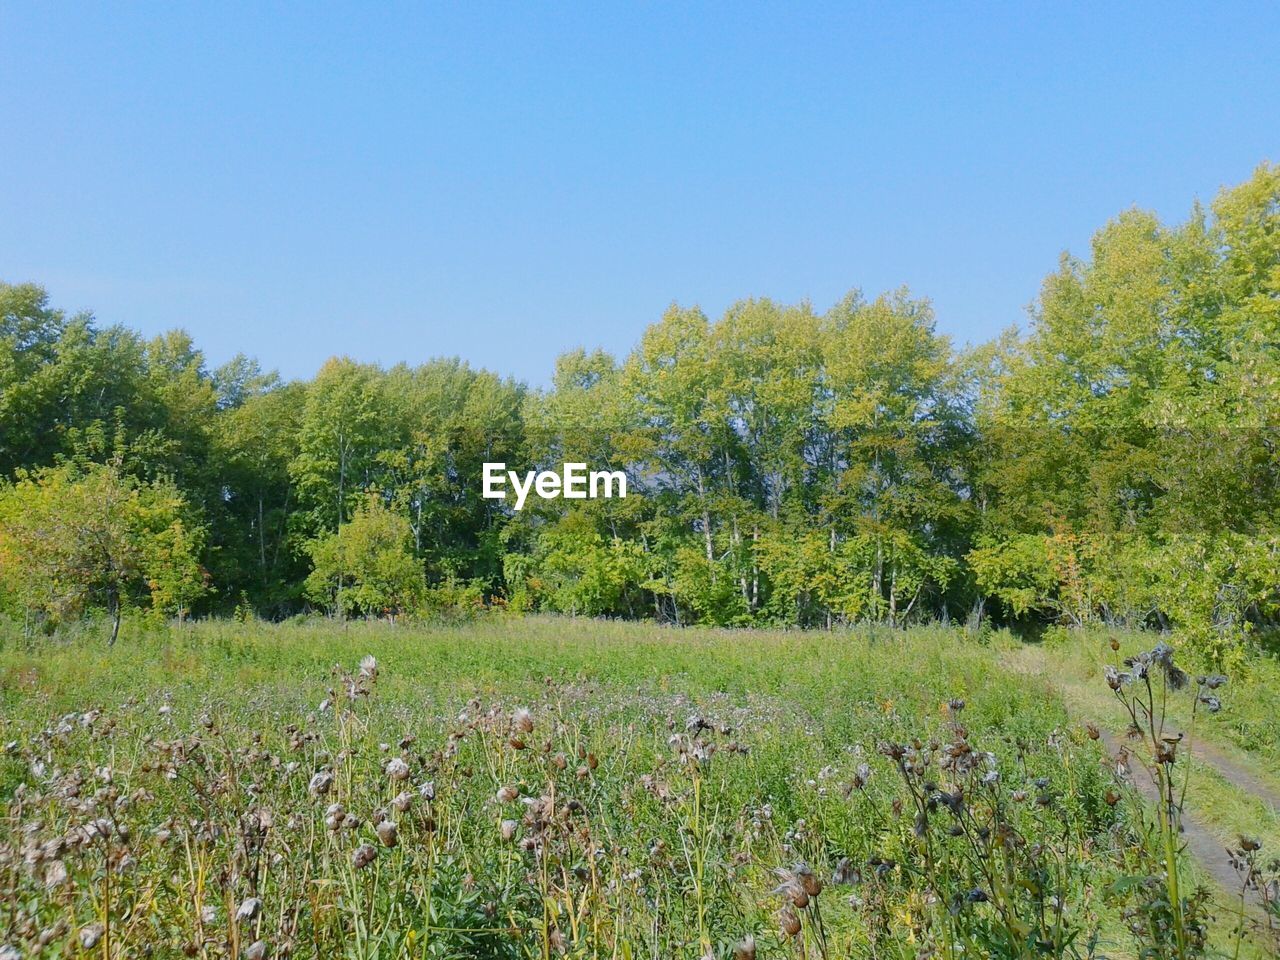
column 504, row 182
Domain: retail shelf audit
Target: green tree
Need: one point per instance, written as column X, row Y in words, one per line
column 367, row 566
column 73, row 539
column 1133, row 431
column 254, row 443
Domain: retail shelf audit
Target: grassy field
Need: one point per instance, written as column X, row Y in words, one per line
column 541, row 788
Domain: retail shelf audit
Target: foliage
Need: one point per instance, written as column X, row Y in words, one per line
column 367, row 565
column 1114, row 464
column 73, row 536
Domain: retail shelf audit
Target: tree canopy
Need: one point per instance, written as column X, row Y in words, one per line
column 1115, row 462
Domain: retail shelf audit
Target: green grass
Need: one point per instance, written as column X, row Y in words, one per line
column 208, row 735
column 1241, row 732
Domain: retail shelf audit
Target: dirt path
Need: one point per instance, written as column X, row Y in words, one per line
column 1236, row 775
column 1201, row 844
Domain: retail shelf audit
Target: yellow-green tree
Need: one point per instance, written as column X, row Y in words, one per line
column 367, row 567
column 74, row 538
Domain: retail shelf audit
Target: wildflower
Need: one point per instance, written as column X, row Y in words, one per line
column 522, row 720
column 256, row 950
column 789, row 922
column 509, row 828
column 799, row 884
column 1211, row 703
column 368, row 668
column 334, row 816
column 90, row 935
column 55, row 874
column 388, row 833
column 506, row 794
column 894, row 751
column 320, row 783
column 249, row 910
column 845, row 872
column 55, row 932
column 746, row 948
column 1250, row 844
column 365, row 854
column 397, row 769
column 402, row 801
column 808, row 879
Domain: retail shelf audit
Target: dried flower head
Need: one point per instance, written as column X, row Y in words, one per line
column 364, row 855
column 506, row 794
column 248, row 910
column 789, row 923
column 397, row 769
column 90, row 935
column 320, row 783
column 388, row 833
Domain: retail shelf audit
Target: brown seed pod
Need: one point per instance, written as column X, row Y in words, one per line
column 388, row 833
column 809, row 881
column 789, row 923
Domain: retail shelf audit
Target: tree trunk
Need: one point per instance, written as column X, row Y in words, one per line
column 262, row 544
column 115, row 621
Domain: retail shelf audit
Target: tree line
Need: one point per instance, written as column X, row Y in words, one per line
column 1116, row 462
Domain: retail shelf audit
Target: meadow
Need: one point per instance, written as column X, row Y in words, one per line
column 542, row 787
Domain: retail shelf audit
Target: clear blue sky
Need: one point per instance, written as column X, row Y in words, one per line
column 505, row 182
